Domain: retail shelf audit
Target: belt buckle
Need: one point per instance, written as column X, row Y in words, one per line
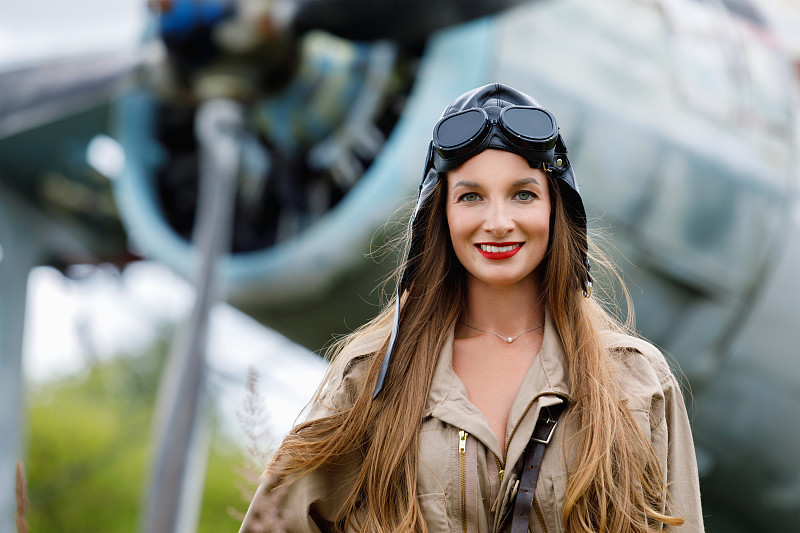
column 549, row 434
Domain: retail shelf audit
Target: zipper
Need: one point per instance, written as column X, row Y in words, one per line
column 539, row 513
column 499, row 468
column 462, row 455
column 495, row 483
column 516, row 424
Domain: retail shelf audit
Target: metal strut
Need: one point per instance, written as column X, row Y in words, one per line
column 181, row 437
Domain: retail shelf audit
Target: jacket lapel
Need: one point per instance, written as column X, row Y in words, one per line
column 545, row 383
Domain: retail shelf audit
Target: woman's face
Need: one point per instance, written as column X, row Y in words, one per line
column 498, row 210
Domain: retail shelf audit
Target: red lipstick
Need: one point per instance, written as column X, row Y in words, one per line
column 496, row 256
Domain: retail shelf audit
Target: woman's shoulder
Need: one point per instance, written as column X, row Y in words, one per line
column 641, row 368
column 349, row 369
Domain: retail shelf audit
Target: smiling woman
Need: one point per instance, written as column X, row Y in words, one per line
column 444, row 412
column 498, row 207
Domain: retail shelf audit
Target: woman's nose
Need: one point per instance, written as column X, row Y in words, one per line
column 498, row 221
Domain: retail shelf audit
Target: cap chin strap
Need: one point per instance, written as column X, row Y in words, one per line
column 425, row 191
column 587, row 283
column 587, row 291
column 389, row 350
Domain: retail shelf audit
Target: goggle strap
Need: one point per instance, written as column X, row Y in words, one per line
column 561, row 148
column 428, row 166
column 425, row 190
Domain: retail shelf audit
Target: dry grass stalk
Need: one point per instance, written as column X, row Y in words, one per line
column 22, row 500
column 254, row 422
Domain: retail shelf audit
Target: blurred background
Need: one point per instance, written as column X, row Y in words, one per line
column 194, row 197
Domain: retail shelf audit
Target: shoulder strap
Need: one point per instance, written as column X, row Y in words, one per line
column 534, row 452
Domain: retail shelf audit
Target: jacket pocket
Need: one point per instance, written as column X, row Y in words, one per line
column 503, row 506
column 548, row 503
column 434, row 509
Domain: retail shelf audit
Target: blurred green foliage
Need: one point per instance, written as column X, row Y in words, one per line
column 88, row 458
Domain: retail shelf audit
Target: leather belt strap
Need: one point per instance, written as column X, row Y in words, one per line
column 534, row 452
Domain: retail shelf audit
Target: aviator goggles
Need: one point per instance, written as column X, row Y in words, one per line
column 530, row 131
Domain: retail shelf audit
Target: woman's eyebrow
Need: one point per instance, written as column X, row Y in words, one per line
column 465, row 183
column 526, row 181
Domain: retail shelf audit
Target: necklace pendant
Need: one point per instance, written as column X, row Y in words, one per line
column 509, row 339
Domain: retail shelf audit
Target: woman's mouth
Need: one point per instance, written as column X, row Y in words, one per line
column 500, row 250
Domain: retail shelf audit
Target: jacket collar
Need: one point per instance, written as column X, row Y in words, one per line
column 545, row 383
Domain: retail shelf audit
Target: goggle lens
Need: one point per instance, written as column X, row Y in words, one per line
column 459, row 129
column 530, row 124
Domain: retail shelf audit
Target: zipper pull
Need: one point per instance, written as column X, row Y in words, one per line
column 462, row 442
column 499, row 468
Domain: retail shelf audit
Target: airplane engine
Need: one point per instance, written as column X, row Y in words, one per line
column 326, row 159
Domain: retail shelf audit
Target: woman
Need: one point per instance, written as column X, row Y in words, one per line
column 424, row 421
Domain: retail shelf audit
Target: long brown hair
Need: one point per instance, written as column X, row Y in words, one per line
column 615, row 483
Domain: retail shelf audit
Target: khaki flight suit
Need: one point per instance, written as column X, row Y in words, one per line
column 466, row 479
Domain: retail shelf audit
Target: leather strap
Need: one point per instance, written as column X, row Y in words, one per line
column 534, row 452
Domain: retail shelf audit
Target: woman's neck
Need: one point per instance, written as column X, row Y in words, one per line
column 506, row 310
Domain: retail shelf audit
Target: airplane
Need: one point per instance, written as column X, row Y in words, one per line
column 681, row 118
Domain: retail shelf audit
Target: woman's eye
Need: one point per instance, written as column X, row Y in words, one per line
column 469, row 197
column 525, row 195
